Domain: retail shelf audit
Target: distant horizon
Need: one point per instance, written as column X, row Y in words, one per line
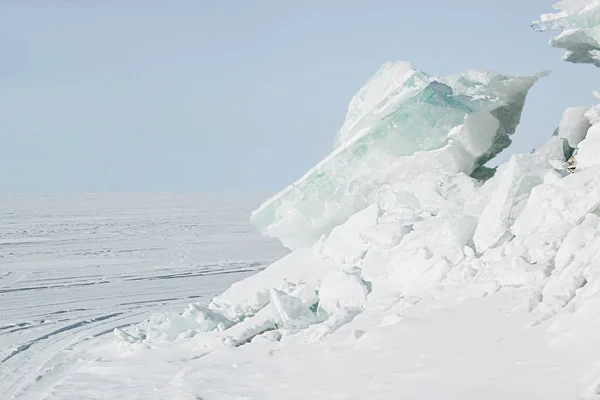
column 211, row 97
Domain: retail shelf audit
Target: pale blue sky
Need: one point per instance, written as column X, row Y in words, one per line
column 193, row 95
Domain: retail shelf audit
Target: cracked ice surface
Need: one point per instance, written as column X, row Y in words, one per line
column 401, row 124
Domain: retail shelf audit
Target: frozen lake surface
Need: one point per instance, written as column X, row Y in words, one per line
column 74, row 267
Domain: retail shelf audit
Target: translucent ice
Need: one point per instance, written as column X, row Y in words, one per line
column 401, row 124
column 290, row 312
column 579, row 21
column 196, row 318
column 574, row 125
column 393, row 83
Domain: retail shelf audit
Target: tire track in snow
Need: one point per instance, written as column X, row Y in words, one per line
column 35, row 364
column 73, row 268
column 26, row 346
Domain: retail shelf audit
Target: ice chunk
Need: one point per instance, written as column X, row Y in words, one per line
column 290, row 312
column 302, row 268
column 342, row 290
column 579, row 21
column 422, row 124
column 428, row 253
column 493, row 222
column 556, row 150
column 566, row 201
column 418, row 267
column 195, row 319
column 576, row 239
column 586, row 154
column 246, row 330
column 589, row 148
column 316, row 333
column 345, row 243
column 392, row 83
column 386, row 235
column 579, row 278
column 375, row 264
column 574, row 125
column 125, row 337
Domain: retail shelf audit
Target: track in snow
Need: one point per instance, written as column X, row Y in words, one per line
column 73, row 268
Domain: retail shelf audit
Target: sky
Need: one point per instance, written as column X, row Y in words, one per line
column 235, row 96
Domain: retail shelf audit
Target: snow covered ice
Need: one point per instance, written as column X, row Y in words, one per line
column 409, row 277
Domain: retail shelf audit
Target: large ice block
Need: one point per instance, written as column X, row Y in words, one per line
column 401, row 124
column 393, row 83
column 579, row 21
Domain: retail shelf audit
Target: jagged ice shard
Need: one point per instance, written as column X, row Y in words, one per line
column 402, row 123
column 579, row 21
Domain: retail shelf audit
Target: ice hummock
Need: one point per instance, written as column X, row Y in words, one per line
column 439, row 282
column 579, row 21
column 401, row 124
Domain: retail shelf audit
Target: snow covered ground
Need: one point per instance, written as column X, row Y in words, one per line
column 455, row 347
column 74, row 267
